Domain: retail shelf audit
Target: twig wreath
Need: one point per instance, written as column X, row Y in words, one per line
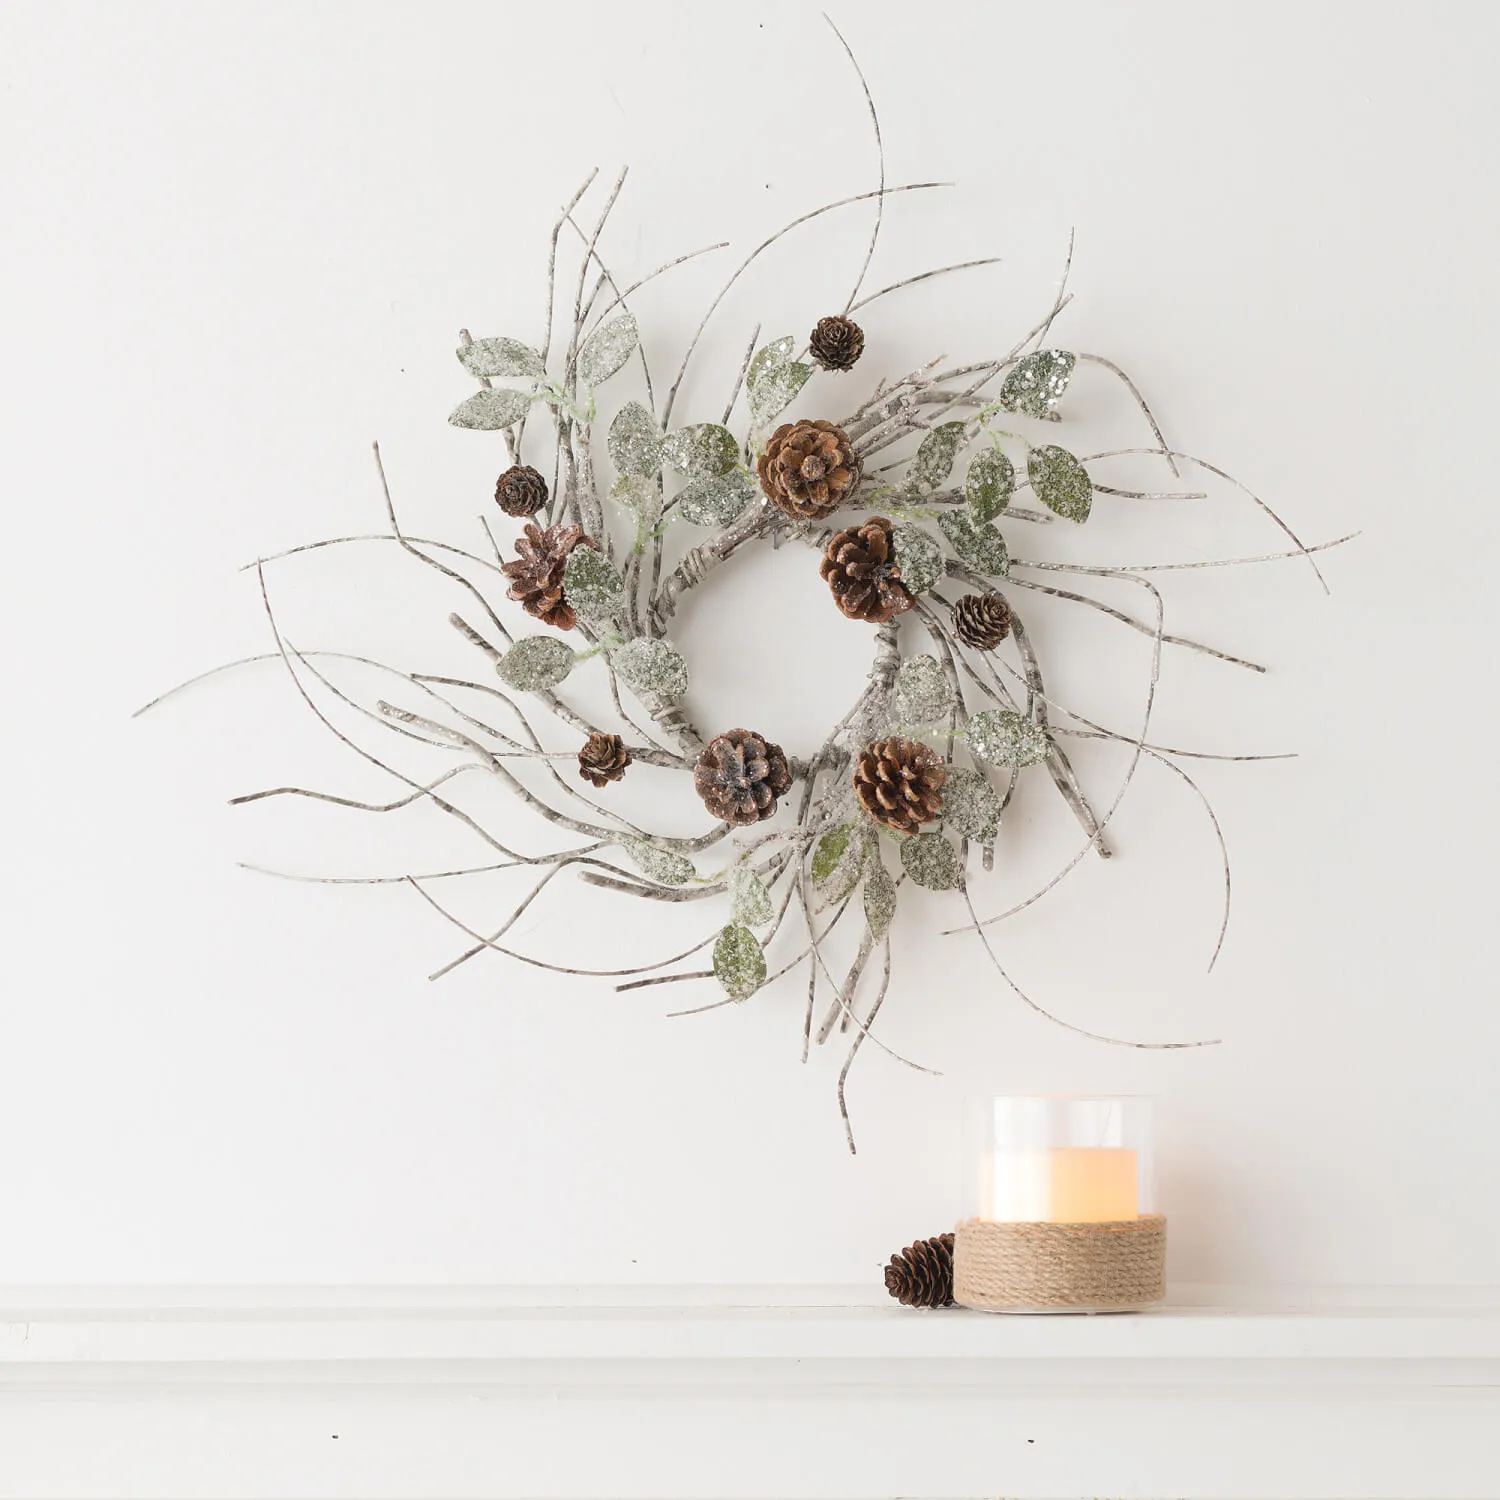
column 897, row 500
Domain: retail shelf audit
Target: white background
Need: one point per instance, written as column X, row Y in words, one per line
column 237, row 244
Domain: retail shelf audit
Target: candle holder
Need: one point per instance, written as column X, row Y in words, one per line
column 1059, row 1207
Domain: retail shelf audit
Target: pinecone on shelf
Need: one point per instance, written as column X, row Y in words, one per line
column 922, row 1274
column 900, row 783
column 836, row 343
column 859, row 565
column 740, row 775
column 520, row 491
column 536, row 575
column 603, row 758
column 981, row 620
column 809, row 469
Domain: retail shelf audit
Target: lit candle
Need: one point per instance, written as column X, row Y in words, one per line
column 1063, row 1185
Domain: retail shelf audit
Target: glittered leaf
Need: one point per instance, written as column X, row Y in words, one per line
column 919, row 556
column 664, row 866
column 739, row 964
column 982, row 547
column 592, row 586
column 716, row 499
column 705, row 448
column 638, row 495
column 774, row 378
column 1006, row 738
column 830, row 849
column 923, row 693
column 501, row 357
column 652, row 666
column 488, row 411
column 988, row 484
column 1037, row 383
column 536, row 663
column 971, row 806
column 880, row 897
column 751, row 900
column 607, row 348
column 930, row 860
column 934, row 460
column 634, row 443
column 1061, row 483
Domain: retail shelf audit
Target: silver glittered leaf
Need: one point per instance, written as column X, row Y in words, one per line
column 774, row 378
column 982, row 547
column 923, row 692
column 664, row 866
column 880, row 897
column 749, row 897
column 592, row 586
column 1037, row 383
column 716, row 499
column 739, row 963
column 502, row 358
column 919, row 557
column 1061, row 483
column 488, row 411
column 1006, row 738
column 536, row 663
column 633, row 441
column 988, row 484
column 930, row 860
column 607, row 348
column 934, row 460
column 971, row 805
column 638, row 495
column 829, row 851
column 705, row 448
column 652, row 666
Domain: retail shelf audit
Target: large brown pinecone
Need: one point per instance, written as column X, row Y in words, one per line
column 603, row 758
column 922, row 1274
column 520, row 491
column 837, row 342
column 808, row 469
column 859, row 565
column 536, row 576
column 740, row 775
column 900, row 783
column 981, row 620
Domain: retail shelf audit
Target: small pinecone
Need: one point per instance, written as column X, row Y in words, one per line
column 981, row 620
column 808, row 469
column 739, row 775
column 900, row 783
column 859, row 565
column 536, row 576
column 836, row 343
column 922, row 1274
column 603, row 758
column 520, row 491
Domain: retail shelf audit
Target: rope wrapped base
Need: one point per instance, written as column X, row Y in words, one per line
column 1116, row 1267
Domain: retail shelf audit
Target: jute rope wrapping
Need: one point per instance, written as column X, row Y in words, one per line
column 1060, row 1267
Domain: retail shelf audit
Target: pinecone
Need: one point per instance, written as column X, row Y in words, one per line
column 808, row 469
column 922, row 1274
column 981, row 620
column 520, row 491
column 900, row 783
column 836, row 343
column 536, row 576
column 603, row 758
column 859, row 565
column 739, row 775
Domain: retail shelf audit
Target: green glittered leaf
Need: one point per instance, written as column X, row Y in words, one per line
column 592, row 586
column 536, row 663
column 749, row 896
column 488, row 411
column 662, row 865
column 638, row 495
column 739, row 963
column 1006, row 738
column 1061, row 483
column 829, row 851
column 1037, row 383
column 774, row 378
column 652, row 666
column 634, row 443
column 716, row 499
column 919, row 558
column 923, row 693
column 705, row 448
column 934, row 460
column 971, row 806
column 607, row 348
column 501, row 357
column 982, row 547
column 880, row 897
column 931, row 861
column 988, row 484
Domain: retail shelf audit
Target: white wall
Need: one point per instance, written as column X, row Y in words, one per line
column 237, row 244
